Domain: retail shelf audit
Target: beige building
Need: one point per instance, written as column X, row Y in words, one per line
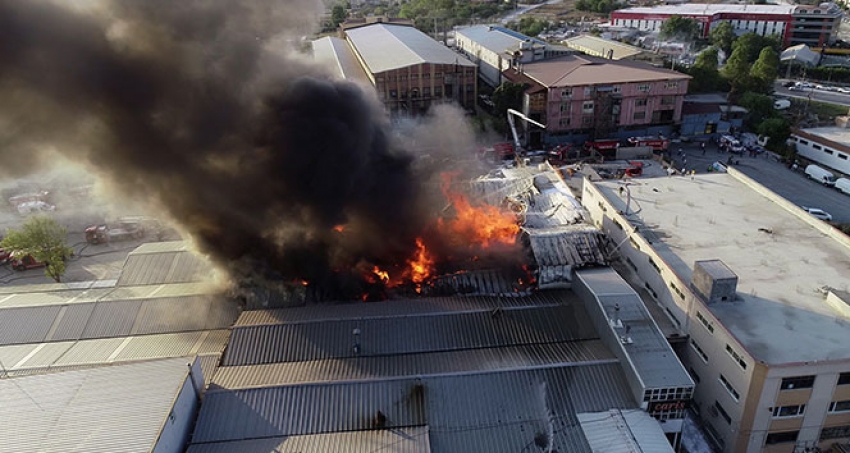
column 758, row 286
column 409, row 70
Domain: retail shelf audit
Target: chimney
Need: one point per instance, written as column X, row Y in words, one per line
column 714, row 281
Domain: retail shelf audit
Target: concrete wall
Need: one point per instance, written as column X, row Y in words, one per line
column 178, row 425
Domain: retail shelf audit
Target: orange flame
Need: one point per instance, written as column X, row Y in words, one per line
column 421, row 265
column 477, row 225
column 339, row 228
column 383, row 275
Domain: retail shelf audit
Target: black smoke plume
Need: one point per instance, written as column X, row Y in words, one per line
column 193, row 105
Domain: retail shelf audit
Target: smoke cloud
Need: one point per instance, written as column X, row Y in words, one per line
column 262, row 158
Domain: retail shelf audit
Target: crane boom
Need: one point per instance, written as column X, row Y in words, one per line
column 511, row 114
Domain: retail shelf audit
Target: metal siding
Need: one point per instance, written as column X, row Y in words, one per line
column 424, row 364
column 72, row 323
column 172, row 314
column 26, row 325
column 89, row 351
column 146, row 269
column 402, row 335
column 46, row 355
column 112, row 319
column 10, row 355
column 400, row 440
column 110, row 409
column 163, row 345
column 309, row 409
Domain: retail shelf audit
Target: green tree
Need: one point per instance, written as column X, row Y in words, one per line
column 751, row 45
column 338, row 15
column 765, row 70
column 506, row 96
column 777, row 129
column 722, row 36
column 43, row 239
column 759, row 106
column 707, row 59
column 737, row 71
column 680, row 28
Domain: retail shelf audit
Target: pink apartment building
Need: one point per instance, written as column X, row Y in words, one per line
column 579, row 95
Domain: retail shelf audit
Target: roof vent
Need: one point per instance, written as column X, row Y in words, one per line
column 714, row 281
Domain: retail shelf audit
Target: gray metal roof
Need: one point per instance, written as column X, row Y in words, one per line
column 108, row 409
column 151, row 267
column 494, row 38
column 624, row 431
column 114, row 318
column 384, row 47
column 400, row 440
column 650, row 352
column 462, row 410
column 400, row 307
column 409, row 334
column 309, row 409
column 569, row 245
column 411, row 365
column 46, row 357
column 336, row 55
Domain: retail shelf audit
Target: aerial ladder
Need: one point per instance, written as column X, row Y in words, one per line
column 518, row 151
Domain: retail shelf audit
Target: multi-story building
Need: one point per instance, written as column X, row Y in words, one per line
column 409, row 70
column 579, row 96
column 495, row 49
column 795, row 24
column 758, row 286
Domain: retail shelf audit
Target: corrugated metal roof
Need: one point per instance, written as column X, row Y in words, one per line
column 336, row 54
column 569, row 245
column 364, row 368
column 161, row 247
column 163, row 267
column 494, row 38
column 400, row 307
column 400, row 440
column 108, row 409
column 601, row 47
column 409, row 334
column 309, row 409
column 624, row 431
column 649, row 352
column 26, row 325
column 384, row 47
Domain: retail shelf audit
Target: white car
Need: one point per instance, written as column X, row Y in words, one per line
column 818, row 213
column 34, row 206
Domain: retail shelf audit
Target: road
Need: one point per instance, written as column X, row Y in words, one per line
column 816, row 95
column 789, row 184
column 522, row 9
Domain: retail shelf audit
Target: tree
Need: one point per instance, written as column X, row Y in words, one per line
column 736, row 71
column 722, row 36
column 707, row 59
column 506, row 96
column 680, row 28
column 338, row 15
column 751, row 45
column 759, row 106
column 777, row 129
column 765, row 70
column 43, row 239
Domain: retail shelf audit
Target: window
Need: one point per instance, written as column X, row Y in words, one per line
column 798, row 382
column 566, row 107
column 803, row 142
column 564, row 122
column 668, row 100
column 705, row 322
column 426, row 91
column 816, row 146
column 618, row 88
column 842, row 156
column 640, row 102
column 722, row 412
column 677, row 291
column 393, row 94
column 835, row 432
column 839, row 406
column 737, row 357
column 783, row 437
column 672, row 84
column 644, row 88
column 844, row 379
column 699, row 350
column 587, row 121
column 438, row 91
column 587, row 106
column 694, row 375
column 639, row 115
column 588, row 91
column 631, row 263
column 651, row 291
column 735, row 395
column 828, row 151
column 789, row 411
column 566, row 92
column 654, row 266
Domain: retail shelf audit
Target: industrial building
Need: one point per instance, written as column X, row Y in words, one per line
column 710, row 114
column 605, row 48
column 495, row 49
column 580, row 97
column 758, row 286
column 795, row 24
column 494, row 369
column 827, row 146
column 409, row 70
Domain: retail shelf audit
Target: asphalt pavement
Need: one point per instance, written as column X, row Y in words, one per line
column 830, row 97
column 766, row 170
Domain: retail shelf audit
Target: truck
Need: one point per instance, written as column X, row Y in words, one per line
column 120, row 231
column 843, row 185
column 657, row 143
column 731, row 144
column 820, row 175
column 607, row 148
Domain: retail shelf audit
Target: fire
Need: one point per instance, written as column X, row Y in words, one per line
column 339, row 228
column 421, row 265
column 477, row 225
column 384, row 276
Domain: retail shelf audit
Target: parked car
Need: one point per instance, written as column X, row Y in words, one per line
column 781, row 104
column 34, row 206
column 843, row 185
column 25, row 263
column 818, row 213
column 820, row 175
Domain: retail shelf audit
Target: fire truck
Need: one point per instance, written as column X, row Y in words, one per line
column 657, row 144
column 606, row 147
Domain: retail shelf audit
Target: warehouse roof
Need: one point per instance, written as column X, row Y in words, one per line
column 782, row 256
column 624, row 431
column 601, row 47
column 108, row 409
column 580, row 70
column 384, row 47
column 156, row 263
column 336, row 54
column 412, row 439
column 496, row 39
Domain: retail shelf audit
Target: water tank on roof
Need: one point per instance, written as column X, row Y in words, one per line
column 714, row 281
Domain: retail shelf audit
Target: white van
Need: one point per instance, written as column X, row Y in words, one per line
column 843, row 184
column 820, row 175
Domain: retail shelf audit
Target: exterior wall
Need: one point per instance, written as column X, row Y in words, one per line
column 490, row 64
column 696, row 124
column 709, row 354
column 567, row 110
column 415, row 88
column 178, row 425
column 830, row 156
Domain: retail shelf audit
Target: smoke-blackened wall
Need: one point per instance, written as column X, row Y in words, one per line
column 192, row 104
